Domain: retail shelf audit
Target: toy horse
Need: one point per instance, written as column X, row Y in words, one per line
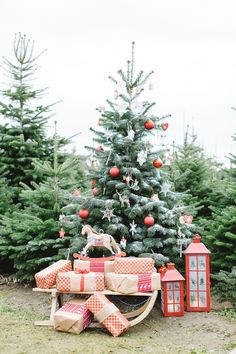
column 95, row 239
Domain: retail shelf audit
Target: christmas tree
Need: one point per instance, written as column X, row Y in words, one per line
column 131, row 195
column 23, row 136
column 30, row 237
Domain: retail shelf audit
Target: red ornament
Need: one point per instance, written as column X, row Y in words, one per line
column 114, row 171
column 93, row 182
column 164, row 126
column 62, row 233
column 149, row 124
column 149, row 220
column 100, row 148
column 188, row 219
column 161, row 269
column 83, row 213
column 157, row 162
column 95, row 190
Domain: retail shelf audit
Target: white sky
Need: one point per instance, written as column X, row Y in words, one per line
column 189, row 44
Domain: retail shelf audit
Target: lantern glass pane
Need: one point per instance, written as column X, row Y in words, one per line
column 177, row 296
column 201, row 262
column 193, row 262
column 202, row 299
column 169, row 286
column 177, row 308
column 170, row 308
column 193, row 299
column 170, row 297
column 193, row 281
column 202, row 280
column 176, row 285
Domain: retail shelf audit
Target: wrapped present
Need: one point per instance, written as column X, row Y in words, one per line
column 73, row 318
column 107, row 314
column 94, row 266
column 82, row 281
column 133, row 265
column 46, row 278
column 132, row 283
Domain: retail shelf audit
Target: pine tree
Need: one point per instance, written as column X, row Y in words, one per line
column 23, row 136
column 30, row 236
column 131, row 196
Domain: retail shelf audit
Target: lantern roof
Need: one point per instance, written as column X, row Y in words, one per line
column 171, row 273
column 196, row 246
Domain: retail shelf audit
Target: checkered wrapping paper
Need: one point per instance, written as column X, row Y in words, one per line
column 72, row 281
column 133, row 265
column 46, row 278
column 116, row 323
column 94, row 266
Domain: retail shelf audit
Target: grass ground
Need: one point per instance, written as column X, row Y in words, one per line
column 195, row 333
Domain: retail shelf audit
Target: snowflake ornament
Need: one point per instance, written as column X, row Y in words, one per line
column 165, row 188
column 134, row 185
column 142, row 157
column 108, row 213
column 133, row 227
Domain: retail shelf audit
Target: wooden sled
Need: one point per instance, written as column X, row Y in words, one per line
column 135, row 316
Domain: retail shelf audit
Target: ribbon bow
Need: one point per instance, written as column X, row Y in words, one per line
column 82, row 271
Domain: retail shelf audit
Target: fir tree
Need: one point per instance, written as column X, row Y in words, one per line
column 30, row 237
column 132, row 197
column 23, row 137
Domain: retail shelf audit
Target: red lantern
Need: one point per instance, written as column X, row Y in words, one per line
column 84, row 213
column 62, row 233
column 157, row 162
column 164, row 126
column 172, row 291
column 197, row 262
column 93, row 182
column 114, row 171
column 149, row 220
column 149, row 124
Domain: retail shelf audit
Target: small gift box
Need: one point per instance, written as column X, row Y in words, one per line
column 107, row 314
column 46, row 278
column 73, row 318
column 132, row 283
column 94, row 266
column 82, row 281
column 133, row 265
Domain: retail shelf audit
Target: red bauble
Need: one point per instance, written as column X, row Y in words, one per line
column 149, row 124
column 114, row 171
column 164, row 126
column 83, row 213
column 95, row 190
column 157, row 162
column 93, row 182
column 149, row 220
column 100, row 148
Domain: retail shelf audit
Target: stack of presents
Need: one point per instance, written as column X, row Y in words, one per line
column 125, row 276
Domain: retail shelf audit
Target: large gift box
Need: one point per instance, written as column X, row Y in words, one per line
column 73, row 318
column 132, row 283
column 94, row 266
column 107, row 314
column 46, row 278
column 72, row 281
column 133, row 265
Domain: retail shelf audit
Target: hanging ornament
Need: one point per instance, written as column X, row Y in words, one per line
column 154, row 197
column 62, row 233
column 114, row 171
column 133, row 227
column 62, row 218
column 76, row 193
column 142, row 157
column 83, row 213
column 157, row 162
column 100, row 121
column 100, row 148
column 161, row 269
column 165, row 126
column 136, row 106
column 131, row 134
column 188, row 219
column 165, row 188
column 149, row 220
column 180, row 241
column 123, row 243
column 108, row 135
column 124, row 199
column 181, row 220
column 94, row 191
column 108, row 213
column 134, row 185
column 93, row 182
column 149, row 124
column 128, row 179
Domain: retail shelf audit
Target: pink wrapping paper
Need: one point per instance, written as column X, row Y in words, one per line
column 71, row 281
column 94, row 266
column 133, row 265
column 107, row 314
column 46, row 278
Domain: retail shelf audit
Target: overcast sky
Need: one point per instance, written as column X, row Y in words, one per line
column 189, row 44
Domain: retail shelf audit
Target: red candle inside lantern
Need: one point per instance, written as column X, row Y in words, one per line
column 197, row 263
column 172, row 291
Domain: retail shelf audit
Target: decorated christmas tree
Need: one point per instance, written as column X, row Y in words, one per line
column 131, row 197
